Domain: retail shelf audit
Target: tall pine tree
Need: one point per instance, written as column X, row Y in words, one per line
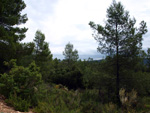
column 119, row 37
column 10, row 33
column 42, row 54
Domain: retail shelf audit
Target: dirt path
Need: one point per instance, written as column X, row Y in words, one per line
column 6, row 109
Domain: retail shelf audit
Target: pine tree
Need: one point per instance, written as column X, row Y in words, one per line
column 10, row 33
column 119, row 37
column 148, row 59
column 70, row 54
column 42, row 52
column 43, row 56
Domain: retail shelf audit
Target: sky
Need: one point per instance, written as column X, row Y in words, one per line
column 64, row 21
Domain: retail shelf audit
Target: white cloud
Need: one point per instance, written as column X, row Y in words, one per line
column 70, row 23
column 64, row 21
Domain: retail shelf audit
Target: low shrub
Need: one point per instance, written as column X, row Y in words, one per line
column 19, row 84
column 18, row 103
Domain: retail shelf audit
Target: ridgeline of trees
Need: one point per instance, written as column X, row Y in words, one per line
column 31, row 78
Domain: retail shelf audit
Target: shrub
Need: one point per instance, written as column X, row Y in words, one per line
column 56, row 99
column 18, row 103
column 109, row 108
column 68, row 76
column 128, row 100
column 20, row 81
column 43, row 107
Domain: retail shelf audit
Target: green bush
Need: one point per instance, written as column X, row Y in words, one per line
column 57, row 100
column 68, row 76
column 43, row 107
column 90, row 95
column 20, row 81
column 18, row 103
column 143, row 104
column 110, row 108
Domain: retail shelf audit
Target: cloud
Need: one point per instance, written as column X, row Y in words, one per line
column 36, row 12
column 64, row 21
column 69, row 23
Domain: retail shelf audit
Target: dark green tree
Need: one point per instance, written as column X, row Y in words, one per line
column 42, row 52
column 141, row 65
column 43, row 56
column 39, row 42
column 25, row 51
column 10, row 33
column 119, row 37
column 70, row 54
column 148, row 59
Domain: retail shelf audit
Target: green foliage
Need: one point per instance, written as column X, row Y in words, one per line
column 25, row 51
column 18, row 103
column 141, row 83
column 88, row 78
column 42, row 51
column 120, row 39
column 148, row 59
column 54, row 99
column 6, row 84
column 20, row 81
column 10, row 33
column 70, row 54
column 43, row 107
column 72, row 85
column 90, row 95
column 118, row 31
column 42, row 55
column 144, row 104
column 68, row 76
column 57, row 100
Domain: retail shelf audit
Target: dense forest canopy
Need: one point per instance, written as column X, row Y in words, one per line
column 31, row 78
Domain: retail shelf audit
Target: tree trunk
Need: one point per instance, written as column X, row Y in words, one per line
column 117, row 68
column 117, row 79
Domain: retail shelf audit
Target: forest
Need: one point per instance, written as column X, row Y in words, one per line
column 30, row 78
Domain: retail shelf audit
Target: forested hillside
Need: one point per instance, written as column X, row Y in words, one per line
column 30, row 78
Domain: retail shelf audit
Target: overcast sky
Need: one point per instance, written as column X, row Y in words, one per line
column 64, row 21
